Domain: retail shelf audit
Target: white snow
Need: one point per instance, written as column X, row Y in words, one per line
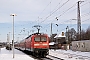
column 63, row 54
column 59, row 35
column 70, row 55
column 7, row 55
column 51, row 43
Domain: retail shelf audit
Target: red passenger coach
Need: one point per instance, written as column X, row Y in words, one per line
column 36, row 43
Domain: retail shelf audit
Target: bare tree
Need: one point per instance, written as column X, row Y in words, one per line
column 88, row 33
column 83, row 35
column 71, row 35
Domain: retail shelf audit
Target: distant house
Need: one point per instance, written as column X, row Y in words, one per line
column 58, row 40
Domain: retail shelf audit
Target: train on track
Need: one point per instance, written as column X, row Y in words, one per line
column 37, row 44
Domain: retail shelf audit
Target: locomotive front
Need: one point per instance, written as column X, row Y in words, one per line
column 40, row 44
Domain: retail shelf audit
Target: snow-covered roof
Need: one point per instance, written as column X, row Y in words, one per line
column 51, row 43
column 58, row 36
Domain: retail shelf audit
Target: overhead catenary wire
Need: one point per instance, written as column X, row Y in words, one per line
column 55, row 11
column 62, row 15
column 74, row 25
column 71, row 7
column 50, row 14
column 44, row 9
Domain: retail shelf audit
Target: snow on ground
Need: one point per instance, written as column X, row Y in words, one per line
column 63, row 54
column 7, row 55
column 70, row 55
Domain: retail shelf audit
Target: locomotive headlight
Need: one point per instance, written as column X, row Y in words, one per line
column 36, row 44
column 36, row 51
column 44, row 44
column 47, row 52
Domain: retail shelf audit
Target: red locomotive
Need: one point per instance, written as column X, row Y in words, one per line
column 36, row 43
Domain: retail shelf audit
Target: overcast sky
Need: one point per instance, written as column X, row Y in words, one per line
column 42, row 12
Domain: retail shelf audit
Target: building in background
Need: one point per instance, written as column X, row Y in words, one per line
column 58, row 41
column 83, row 45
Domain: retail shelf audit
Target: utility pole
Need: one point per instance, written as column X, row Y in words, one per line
column 78, row 21
column 13, row 33
column 7, row 38
column 8, row 41
column 67, row 34
column 51, row 29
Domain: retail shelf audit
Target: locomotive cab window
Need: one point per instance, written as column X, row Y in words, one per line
column 43, row 38
column 37, row 39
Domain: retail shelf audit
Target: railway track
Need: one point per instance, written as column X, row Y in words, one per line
column 43, row 59
column 36, row 58
column 48, row 57
column 77, row 56
column 54, row 58
column 72, row 55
